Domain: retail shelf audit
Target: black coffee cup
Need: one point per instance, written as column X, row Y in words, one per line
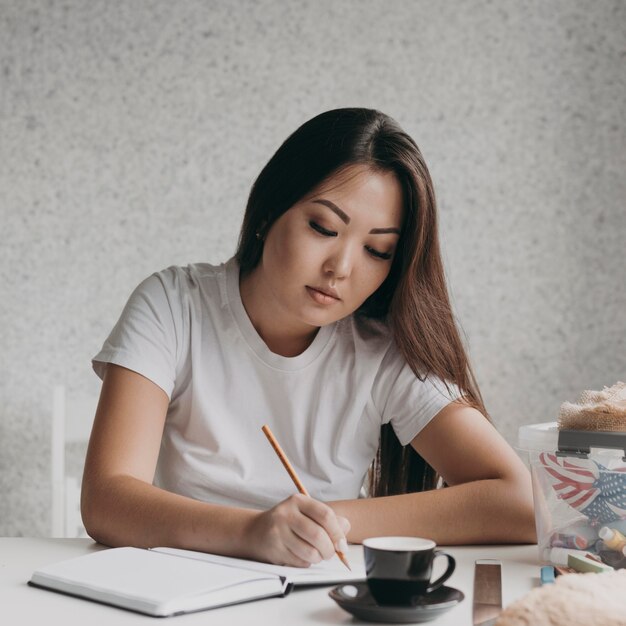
column 399, row 568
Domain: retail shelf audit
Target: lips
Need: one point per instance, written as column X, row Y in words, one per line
column 327, row 291
column 323, row 296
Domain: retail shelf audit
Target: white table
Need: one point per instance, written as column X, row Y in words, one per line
column 21, row 604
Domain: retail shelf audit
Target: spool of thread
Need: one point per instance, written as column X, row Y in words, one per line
column 559, row 556
column 615, row 559
column 613, row 539
column 566, row 540
column 598, row 546
column 547, row 575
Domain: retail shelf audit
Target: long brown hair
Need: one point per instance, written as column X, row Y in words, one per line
column 413, row 300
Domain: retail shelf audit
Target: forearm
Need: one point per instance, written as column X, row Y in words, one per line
column 125, row 511
column 483, row 511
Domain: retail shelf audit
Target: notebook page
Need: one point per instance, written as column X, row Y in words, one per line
column 150, row 582
column 330, row 571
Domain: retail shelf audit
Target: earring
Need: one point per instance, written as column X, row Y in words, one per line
column 258, row 236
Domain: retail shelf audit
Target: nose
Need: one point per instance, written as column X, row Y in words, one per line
column 340, row 262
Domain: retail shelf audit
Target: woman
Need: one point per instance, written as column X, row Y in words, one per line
column 333, row 325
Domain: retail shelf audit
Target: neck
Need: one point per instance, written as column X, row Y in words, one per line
column 280, row 336
column 286, row 346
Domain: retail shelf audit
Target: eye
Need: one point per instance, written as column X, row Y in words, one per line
column 384, row 256
column 321, row 230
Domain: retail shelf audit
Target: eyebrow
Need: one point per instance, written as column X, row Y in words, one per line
column 346, row 219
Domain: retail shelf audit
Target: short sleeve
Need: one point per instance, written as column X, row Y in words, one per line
column 405, row 401
column 147, row 334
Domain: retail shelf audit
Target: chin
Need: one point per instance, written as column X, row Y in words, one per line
column 316, row 316
column 322, row 320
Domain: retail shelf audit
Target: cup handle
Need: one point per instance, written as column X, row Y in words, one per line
column 449, row 571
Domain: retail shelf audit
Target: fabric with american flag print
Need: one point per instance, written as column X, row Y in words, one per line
column 588, row 486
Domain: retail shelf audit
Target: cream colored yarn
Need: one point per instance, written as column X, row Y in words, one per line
column 596, row 410
column 573, row 600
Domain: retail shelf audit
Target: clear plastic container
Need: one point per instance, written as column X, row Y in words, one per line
column 536, row 438
column 579, row 489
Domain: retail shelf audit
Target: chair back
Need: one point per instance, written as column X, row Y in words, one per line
column 72, row 419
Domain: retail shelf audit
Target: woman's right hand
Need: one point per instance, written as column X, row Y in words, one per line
column 298, row 531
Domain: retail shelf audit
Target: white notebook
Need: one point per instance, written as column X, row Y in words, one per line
column 169, row 581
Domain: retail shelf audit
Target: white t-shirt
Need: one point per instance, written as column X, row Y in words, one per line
column 186, row 330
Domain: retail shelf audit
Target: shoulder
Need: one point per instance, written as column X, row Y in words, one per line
column 369, row 341
column 187, row 277
column 371, row 330
column 178, row 283
column 174, row 291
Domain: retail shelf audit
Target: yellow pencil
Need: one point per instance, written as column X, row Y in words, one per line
column 301, row 488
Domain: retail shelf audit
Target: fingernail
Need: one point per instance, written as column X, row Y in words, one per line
column 342, row 545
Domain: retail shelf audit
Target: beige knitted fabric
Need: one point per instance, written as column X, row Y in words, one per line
column 573, row 600
column 596, row 410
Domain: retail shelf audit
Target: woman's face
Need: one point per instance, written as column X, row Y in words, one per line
column 333, row 249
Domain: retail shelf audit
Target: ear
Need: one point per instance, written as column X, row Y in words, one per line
column 262, row 231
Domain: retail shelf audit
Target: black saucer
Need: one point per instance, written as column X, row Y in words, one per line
column 356, row 599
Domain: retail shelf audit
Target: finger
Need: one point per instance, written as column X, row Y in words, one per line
column 314, row 542
column 295, row 561
column 302, row 549
column 324, row 515
column 344, row 523
column 319, row 526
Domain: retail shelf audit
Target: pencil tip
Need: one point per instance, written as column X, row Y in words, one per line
column 342, row 558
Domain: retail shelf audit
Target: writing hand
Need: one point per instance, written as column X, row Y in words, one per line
column 298, row 531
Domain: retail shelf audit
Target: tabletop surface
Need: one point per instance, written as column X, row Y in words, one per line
column 22, row 604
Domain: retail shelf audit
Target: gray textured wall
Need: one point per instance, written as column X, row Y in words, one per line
column 130, row 133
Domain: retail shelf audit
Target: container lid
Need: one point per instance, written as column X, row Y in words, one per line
column 543, row 436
